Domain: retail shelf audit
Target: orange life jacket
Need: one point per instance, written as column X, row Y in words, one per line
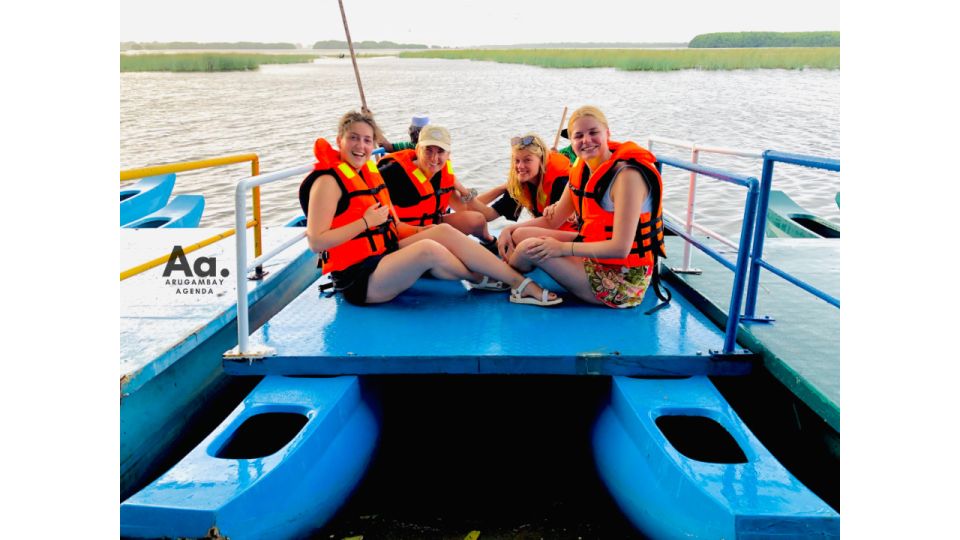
column 558, row 168
column 361, row 189
column 596, row 224
column 433, row 204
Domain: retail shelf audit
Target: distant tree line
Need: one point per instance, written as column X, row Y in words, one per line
column 180, row 45
column 765, row 39
column 590, row 45
column 334, row 44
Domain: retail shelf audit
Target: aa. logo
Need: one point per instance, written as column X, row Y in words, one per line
column 199, row 278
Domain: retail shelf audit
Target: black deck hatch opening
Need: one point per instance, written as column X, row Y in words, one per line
column 262, row 435
column 701, row 439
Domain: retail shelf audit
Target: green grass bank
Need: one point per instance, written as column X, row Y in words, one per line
column 207, row 61
column 651, row 59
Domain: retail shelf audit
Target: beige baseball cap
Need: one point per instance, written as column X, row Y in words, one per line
column 432, row 135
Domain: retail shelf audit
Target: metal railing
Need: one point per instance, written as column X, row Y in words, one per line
column 243, row 310
column 143, row 172
column 739, row 268
column 770, row 157
column 690, row 223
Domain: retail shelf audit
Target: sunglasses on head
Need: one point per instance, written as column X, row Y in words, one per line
column 522, row 141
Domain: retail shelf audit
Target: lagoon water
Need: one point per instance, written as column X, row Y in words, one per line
column 279, row 110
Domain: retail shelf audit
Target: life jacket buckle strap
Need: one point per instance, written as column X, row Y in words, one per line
column 328, row 286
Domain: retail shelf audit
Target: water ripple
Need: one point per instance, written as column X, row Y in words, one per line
column 278, row 111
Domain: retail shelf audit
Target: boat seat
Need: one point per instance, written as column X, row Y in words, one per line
column 182, row 211
column 440, row 327
column 145, row 196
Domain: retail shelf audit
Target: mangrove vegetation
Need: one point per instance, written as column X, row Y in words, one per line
column 651, row 60
column 765, row 39
column 207, row 61
column 335, row 44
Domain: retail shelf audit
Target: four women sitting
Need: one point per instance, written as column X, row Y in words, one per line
column 371, row 255
column 375, row 249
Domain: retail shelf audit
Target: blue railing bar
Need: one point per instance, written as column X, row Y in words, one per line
column 709, row 251
column 743, row 265
column 746, row 229
column 723, row 176
column 800, row 283
column 759, row 233
column 770, row 157
column 815, row 162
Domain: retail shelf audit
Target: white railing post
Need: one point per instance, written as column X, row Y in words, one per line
column 691, row 200
column 243, row 316
column 243, row 303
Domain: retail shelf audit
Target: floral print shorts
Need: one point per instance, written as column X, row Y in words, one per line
column 618, row 286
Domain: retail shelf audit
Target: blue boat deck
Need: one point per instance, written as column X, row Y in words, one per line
column 801, row 347
column 158, row 324
column 440, row 327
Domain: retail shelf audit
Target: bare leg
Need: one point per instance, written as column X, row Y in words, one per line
column 469, row 222
column 567, row 271
column 399, row 270
column 474, row 256
column 522, row 233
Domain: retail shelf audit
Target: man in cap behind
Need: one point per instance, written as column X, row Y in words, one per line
column 416, row 124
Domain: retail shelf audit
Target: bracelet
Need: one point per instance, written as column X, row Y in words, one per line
column 365, row 224
column 571, row 249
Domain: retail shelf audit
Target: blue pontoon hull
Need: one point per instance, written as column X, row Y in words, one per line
column 183, row 211
column 147, row 195
column 281, row 495
column 173, row 386
column 667, row 494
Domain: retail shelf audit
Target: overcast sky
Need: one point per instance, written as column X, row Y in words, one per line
column 459, row 24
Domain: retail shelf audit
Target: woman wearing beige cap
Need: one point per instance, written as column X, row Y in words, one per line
column 424, row 188
column 371, row 256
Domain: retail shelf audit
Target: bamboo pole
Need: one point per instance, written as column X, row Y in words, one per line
column 556, row 140
column 353, row 57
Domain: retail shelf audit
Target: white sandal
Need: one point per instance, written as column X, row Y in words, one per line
column 516, row 296
column 487, row 284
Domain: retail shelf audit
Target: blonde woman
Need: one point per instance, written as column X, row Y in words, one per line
column 615, row 193
column 371, row 257
column 536, row 180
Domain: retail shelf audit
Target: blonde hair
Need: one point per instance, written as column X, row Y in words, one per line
column 354, row 116
column 514, row 186
column 586, row 110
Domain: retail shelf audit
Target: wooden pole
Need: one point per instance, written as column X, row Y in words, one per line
column 353, row 57
column 556, row 140
column 356, row 71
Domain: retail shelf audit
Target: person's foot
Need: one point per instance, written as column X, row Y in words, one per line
column 486, row 284
column 529, row 292
column 534, row 290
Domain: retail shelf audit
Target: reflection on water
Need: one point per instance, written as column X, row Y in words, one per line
column 278, row 111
